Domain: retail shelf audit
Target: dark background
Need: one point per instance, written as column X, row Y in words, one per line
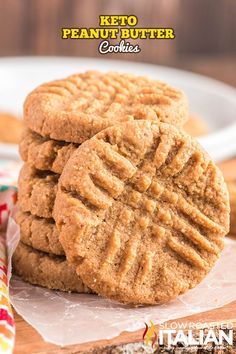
column 205, row 31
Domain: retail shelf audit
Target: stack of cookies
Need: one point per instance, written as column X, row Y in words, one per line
column 113, row 197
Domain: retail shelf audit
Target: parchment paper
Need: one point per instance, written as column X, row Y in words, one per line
column 66, row 319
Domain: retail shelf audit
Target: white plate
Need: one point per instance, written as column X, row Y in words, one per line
column 212, row 100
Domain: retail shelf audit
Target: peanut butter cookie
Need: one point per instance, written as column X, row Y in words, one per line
column 39, row 233
column 52, row 272
column 142, row 211
column 43, row 153
column 76, row 108
column 37, row 191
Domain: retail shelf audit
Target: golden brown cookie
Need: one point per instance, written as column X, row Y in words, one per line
column 52, row 272
column 76, row 108
column 142, row 211
column 10, row 128
column 196, row 126
column 37, row 191
column 43, row 153
column 39, row 233
column 232, row 194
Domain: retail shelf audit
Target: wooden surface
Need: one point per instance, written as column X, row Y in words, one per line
column 29, row 341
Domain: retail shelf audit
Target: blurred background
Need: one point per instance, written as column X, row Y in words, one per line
column 205, row 31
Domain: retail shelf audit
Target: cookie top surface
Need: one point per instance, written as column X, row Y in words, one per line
column 76, row 108
column 142, row 210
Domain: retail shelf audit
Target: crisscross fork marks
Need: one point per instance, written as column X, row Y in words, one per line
column 152, row 226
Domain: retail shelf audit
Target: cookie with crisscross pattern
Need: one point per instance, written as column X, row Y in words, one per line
column 76, row 108
column 142, row 210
